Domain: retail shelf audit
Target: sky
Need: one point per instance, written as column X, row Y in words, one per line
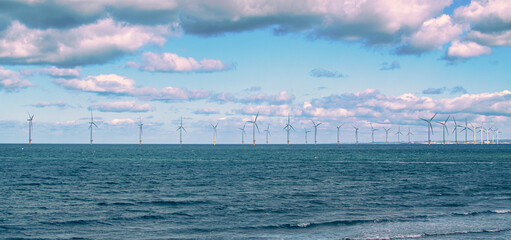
column 385, row 63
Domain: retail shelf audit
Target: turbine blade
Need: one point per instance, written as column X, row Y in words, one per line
column 433, row 117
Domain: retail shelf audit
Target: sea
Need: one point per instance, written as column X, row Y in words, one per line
column 68, row 191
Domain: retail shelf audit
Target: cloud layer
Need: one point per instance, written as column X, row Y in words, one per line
column 170, row 62
column 12, row 81
column 130, row 106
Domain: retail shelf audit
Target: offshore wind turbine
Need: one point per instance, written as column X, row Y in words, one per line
column 487, row 135
column 254, row 126
column 315, row 130
column 181, row 129
column 444, row 127
column 481, row 130
column 398, row 133
column 140, row 124
column 430, row 127
column 408, row 134
column 306, row 131
column 243, row 133
column 214, row 132
column 30, row 118
column 474, row 131
column 356, row 134
column 288, row 128
column 466, row 128
column 497, row 135
column 386, row 135
column 90, row 126
column 267, row 133
column 338, row 130
column 455, row 130
column 492, row 135
column 372, row 133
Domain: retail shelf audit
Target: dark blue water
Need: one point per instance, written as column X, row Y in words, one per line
column 261, row 192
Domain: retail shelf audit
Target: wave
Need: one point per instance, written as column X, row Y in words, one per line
column 500, row 211
column 76, row 222
column 444, row 234
column 173, row 202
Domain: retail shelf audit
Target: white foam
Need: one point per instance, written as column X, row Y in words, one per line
column 502, row 211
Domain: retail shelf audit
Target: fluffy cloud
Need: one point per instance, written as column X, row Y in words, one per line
column 486, row 15
column 491, row 39
column 44, row 104
column 62, row 72
column 94, row 43
column 460, row 50
column 170, row 62
column 130, row 106
column 119, row 85
column 390, row 66
column 11, row 81
column 318, row 72
column 124, row 121
column 433, row 34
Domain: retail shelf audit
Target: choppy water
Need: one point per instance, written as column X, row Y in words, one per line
column 261, row 192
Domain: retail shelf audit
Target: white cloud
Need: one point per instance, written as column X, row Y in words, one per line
column 280, row 98
column 491, row 39
column 122, row 121
column 432, row 35
column 119, row 85
column 170, row 62
column 93, row 43
column 11, row 81
column 130, row 106
column 486, row 15
column 466, row 50
column 62, row 72
column 207, row 111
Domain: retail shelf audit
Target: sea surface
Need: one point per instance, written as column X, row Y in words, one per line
column 255, row 192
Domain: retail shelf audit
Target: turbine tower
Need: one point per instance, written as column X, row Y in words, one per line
column 386, row 135
column 492, row 135
column 430, row 127
column 488, row 135
column 288, row 128
column 254, row 126
column 372, row 133
column 315, row 130
column 267, row 133
column 497, row 136
column 140, row 124
column 338, row 130
column 455, row 130
column 356, row 134
column 408, row 134
column 90, row 126
column 214, row 133
column 474, row 131
column 306, row 131
column 181, row 129
column 30, row 118
column 466, row 129
column 444, row 128
column 398, row 133
column 481, row 130
column 243, row 133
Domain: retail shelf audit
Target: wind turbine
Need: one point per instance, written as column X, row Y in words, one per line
column 430, row 127
column 356, row 134
column 481, row 129
column 267, row 133
column 90, row 126
column 140, row 124
column 408, row 134
column 455, row 131
column 338, row 130
column 30, row 118
column 398, row 133
column 466, row 128
column 488, row 135
column 181, row 129
column 288, row 128
column 474, row 131
column 386, row 134
column 444, row 127
column 243, row 133
column 315, row 130
column 372, row 132
column 254, row 126
column 497, row 135
column 306, row 131
column 214, row 133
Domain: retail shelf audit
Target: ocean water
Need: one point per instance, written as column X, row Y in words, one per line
column 255, row 192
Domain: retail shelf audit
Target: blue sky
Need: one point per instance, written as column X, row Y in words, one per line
column 385, row 63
